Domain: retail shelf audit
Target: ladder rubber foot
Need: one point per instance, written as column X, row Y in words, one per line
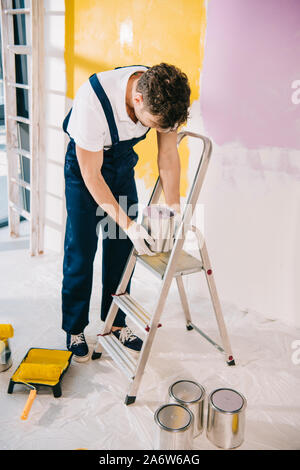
column 129, row 400
column 189, row 327
column 96, row 355
column 11, row 386
column 231, row 363
column 57, row 391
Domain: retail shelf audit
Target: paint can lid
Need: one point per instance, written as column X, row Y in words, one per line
column 227, row 400
column 173, row 417
column 186, row 391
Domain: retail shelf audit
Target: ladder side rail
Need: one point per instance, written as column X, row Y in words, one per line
column 120, row 290
column 157, row 190
column 8, row 63
column 195, row 188
column 34, row 27
column 21, row 49
column 154, row 198
column 199, row 175
column 214, row 294
column 147, row 344
column 183, row 299
column 32, row 130
column 40, row 76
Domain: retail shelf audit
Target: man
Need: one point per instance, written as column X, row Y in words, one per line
column 112, row 111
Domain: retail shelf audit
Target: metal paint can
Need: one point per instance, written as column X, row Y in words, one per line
column 159, row 222
column 226, row 418
column 174, row 429
column 192, row 395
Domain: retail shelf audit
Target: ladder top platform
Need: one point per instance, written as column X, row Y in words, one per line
column 186, row 264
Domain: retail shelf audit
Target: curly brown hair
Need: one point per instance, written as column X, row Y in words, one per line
column 166, row 93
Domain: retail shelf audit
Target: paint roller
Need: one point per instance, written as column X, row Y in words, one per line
column 35, row 373
column 6, row 331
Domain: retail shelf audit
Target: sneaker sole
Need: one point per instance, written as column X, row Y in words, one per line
column 81, row 358
column 133, row 352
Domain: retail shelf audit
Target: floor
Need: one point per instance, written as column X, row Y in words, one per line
column 91, row 413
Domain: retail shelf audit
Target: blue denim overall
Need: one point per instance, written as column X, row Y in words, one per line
column 83, row 217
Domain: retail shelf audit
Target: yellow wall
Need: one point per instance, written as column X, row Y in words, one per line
column 98, row 37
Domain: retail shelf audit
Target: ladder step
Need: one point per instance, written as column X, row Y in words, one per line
column 186, row 264
column 19, row 210
column 21, row 182
column 17, row 11
column 18, row 85
column 19, row 119
column 133, row 309
column 119, row 354
column 23, row 50
column 22, row 152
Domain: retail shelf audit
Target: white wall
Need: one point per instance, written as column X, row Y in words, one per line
column 252, row 230
column 251, row 211
column 250, row 109
column 55, row 110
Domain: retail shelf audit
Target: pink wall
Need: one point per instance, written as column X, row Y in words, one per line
column 252, row 57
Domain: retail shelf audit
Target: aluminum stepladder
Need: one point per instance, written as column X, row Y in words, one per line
column 173, row 264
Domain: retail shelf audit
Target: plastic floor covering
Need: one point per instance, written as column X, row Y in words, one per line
column 91, row 413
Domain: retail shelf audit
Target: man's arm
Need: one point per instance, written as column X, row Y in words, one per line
column 90, row 164
column 169, row 168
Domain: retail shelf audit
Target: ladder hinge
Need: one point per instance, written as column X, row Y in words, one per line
column 148, row 327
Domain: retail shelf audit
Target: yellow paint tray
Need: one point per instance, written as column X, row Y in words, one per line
column 42, row 367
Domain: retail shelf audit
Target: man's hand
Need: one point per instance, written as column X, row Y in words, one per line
column 139, row 236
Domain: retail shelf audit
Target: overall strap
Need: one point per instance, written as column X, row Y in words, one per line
column 98, row 89
column 66, row 122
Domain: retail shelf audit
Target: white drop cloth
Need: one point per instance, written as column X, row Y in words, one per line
column 91, row 413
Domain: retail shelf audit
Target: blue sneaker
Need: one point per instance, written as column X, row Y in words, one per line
column 78, row 346
column 128, row 339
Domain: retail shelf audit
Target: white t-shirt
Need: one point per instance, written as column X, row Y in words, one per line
column 88, row 125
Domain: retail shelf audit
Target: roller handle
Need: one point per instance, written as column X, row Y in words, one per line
column 28, row 405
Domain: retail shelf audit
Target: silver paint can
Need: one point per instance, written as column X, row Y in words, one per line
column 192, row 395
column 159, row 222
column 174, row 429
column 226, row 418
